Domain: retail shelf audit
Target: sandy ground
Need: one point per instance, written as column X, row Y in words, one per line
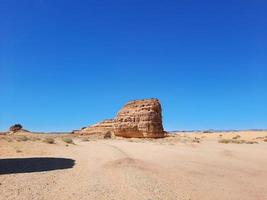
column 172, row 168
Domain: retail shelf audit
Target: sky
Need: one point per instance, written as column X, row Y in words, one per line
column 68, row 64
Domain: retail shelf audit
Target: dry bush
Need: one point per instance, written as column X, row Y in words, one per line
column 196, row 140
column 21, row 138
column 49, row 140
column 265, row 140
column 225, row 141
column 85, row 139
column 184, row 139
column 68, row 140
column 236, row 137
column 235, row 141
column 107, row 135
column 208, row 131
column 251, row 142
column 8, row 139
column 34, row 138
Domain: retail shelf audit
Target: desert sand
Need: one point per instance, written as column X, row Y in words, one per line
column 185, row 166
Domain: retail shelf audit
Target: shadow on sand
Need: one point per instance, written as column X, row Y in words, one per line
column 30, row 165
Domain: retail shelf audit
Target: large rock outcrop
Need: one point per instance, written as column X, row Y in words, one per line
column 137, row 119
column 140, row 119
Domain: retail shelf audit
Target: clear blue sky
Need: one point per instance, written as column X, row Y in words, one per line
column 67, row 64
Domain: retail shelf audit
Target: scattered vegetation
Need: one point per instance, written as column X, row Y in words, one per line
column 68, row 140
column 236, row 137
column 49, row 140
column 35, row 139
column 196, row 140
column 21, row 138
column 208, row 131
column 85, row 139
column 235, row 141
column 251, row 142
column 8, row 139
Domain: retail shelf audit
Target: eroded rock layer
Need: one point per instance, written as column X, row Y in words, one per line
column 140, row 119
column 102, row 127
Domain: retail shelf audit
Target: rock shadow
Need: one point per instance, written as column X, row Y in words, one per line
column 36, row 164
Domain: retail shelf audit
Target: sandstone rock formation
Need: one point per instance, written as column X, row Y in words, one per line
column 15, row 128
column 103, row 128
column 137, row 119
column 140, row 119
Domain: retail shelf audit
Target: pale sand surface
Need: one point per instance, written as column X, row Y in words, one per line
column 171, row 168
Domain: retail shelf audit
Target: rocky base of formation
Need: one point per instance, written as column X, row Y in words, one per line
column 102, row 128
column 137, row 119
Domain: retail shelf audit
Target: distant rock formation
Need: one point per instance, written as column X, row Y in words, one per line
column 137, row 119
column 15, row 128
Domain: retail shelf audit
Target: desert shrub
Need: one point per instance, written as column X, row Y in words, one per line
column 21, row 138
column 107, row 135
column 67, row 140
column 36, row 139
column 265, row 140
column 225, row 141
column 184, row 139
column 85, row 139
column 238, row 141
column 251, row 142
column 236, row 137
column 49, row 140
column 208, row 131
column 235, row 141
column 8, row 139
column 196, row 140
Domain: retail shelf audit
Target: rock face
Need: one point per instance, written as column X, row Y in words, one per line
column 102, row 128
column 137, row 119
column 140, row 119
